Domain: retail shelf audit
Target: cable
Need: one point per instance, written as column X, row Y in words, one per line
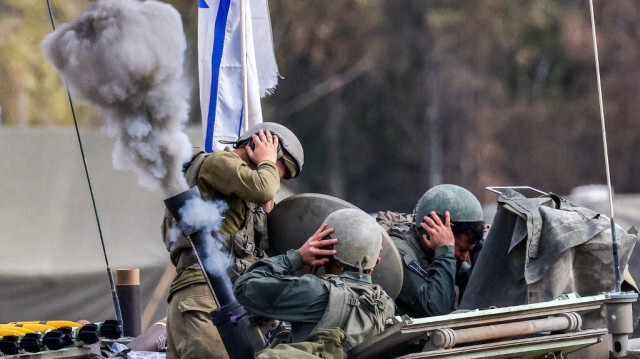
column 114, row 294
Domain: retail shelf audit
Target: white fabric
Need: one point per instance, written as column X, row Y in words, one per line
column 225, row 62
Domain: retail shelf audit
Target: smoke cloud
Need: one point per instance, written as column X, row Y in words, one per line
column 198, row 213
column 125, row 58
column 205, row 215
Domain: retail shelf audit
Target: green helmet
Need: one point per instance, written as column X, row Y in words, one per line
column 293, row 155
column 462, row 205
column 359, row 238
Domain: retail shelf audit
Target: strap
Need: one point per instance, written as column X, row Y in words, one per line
column 335, row 280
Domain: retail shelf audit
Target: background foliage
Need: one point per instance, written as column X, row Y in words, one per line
column 392, row 97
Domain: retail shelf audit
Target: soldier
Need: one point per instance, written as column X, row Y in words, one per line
column 348, row 245
column 432, row 250
column 247, row 179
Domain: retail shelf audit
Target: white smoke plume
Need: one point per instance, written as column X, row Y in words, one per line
column 201, row 214
column 205, row 215
column 125, row 58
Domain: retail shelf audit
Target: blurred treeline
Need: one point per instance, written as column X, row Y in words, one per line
column 392, row 97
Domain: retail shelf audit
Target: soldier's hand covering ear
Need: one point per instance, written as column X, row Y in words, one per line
column 266, row 147
column 312, row 252
column 440, row 234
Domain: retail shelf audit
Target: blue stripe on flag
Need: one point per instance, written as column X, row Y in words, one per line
column 216, row 57
column 203, row 4
column 241, row 116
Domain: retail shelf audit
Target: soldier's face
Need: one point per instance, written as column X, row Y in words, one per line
column 282, row 170
column 462, row 247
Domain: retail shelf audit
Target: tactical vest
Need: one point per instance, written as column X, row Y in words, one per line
column 244, row 247
column 357, row 309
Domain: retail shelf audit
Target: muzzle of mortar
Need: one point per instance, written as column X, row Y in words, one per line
column 240, row 337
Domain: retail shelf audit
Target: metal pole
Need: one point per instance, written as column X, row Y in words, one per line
column 616, row 259
column 114, row 294
column 448, row 338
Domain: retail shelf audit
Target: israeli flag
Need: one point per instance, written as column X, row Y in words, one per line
column 220, row 66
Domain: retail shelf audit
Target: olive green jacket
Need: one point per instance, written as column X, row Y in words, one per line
column 225, row 176
column 428, row 288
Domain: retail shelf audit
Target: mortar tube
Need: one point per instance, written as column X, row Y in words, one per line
column 230, row 318
column 236, row 331
column 220, row 284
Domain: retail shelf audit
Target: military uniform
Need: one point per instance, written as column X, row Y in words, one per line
column 222, row 176
column 313, row 303
column 428, row 288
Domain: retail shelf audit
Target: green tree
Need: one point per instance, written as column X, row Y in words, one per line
column 32, row 93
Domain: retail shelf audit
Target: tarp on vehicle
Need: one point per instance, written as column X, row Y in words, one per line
column 540, row 248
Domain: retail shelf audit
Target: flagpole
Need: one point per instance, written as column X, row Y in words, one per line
column 243, row 49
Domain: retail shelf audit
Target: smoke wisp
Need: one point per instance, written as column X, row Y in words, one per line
column 205, row 215
column 201, row 214
column 125, row 58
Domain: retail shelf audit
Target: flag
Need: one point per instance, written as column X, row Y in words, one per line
column 220, row 66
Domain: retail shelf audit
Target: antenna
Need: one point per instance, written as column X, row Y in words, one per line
column 114, row 294
column 616, row 259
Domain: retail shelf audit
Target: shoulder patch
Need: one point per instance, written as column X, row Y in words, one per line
column 415, row 267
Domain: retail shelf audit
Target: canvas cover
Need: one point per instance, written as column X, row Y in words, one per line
column 540, row 248
column 51, row 261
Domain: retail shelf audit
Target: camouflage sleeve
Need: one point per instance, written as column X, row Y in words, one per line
column 432, row 292
column 228, row 174
column 269, row 288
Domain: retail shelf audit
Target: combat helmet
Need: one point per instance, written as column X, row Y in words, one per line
column 359, row 238
column 293, row 155
column 462, row 205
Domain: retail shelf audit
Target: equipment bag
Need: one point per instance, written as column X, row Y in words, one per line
column 359, row 309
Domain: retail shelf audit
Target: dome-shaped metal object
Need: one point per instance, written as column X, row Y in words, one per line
column 294, row 219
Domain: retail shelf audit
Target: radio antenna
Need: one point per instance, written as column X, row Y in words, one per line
column 114, row 294
column 616, row 259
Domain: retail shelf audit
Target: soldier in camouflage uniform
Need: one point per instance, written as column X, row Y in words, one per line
column 246, row 179
column 433, row 251
column 343, row 298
